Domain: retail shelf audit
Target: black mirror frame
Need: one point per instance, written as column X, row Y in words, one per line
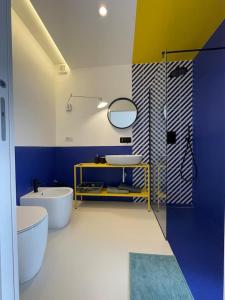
column 122, row 98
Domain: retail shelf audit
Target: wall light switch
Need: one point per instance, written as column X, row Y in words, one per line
column 125, row 140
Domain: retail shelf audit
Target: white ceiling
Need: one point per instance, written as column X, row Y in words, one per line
column 84, row 38
column 24, row 10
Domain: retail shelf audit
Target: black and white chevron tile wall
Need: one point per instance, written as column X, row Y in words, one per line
column 142, row 76
column 152, row 89
column 179, row 118
column 158, row 132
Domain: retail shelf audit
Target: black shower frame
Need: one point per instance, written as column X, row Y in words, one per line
column 191, row 50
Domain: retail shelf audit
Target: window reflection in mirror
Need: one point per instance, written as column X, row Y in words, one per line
column 122, row 113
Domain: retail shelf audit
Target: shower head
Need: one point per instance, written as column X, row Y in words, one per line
column 177, row 72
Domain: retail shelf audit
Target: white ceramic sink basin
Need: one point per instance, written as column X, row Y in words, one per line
column 123, row 159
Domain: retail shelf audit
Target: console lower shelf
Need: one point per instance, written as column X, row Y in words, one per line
column 105, row 193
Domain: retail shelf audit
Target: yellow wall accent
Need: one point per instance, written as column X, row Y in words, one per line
column 174, row 25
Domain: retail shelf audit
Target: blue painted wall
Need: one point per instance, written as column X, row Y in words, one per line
column 67, row 157
column 196, row 234
column 34, row 162
column 209, row 128
column 56, row 163
column 198, row 246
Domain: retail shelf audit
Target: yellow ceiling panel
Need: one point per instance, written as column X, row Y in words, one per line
column 174, row 25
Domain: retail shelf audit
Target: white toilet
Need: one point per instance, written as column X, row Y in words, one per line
column 32, row 232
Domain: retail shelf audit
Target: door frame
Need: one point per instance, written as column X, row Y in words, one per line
column 13, row 256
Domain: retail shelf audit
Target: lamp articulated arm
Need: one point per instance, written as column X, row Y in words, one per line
column 69, row 106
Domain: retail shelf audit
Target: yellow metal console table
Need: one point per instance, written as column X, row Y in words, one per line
column 145, row 192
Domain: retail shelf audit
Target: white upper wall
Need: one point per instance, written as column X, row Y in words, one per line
column 86, row 125
column 33, row 82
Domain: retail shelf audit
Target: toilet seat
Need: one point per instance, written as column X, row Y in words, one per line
column 29, row 217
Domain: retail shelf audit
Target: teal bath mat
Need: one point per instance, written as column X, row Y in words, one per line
column 157, row 277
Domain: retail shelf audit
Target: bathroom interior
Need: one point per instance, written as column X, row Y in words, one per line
column 119, row 148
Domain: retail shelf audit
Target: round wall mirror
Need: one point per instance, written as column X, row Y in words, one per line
column 122, row 113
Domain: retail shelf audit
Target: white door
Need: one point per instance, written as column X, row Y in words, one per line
column 8, row 236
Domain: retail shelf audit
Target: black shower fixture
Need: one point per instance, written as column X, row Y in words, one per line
column 178, row 71
column 188, row 153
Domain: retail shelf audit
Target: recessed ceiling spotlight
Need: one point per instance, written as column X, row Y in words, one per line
column 103, row 11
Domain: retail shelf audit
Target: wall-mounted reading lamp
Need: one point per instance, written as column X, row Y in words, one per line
column 101, row 103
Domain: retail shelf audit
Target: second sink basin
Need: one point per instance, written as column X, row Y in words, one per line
column 123, row 159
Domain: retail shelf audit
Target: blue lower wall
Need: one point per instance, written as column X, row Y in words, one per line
column 56, row 163
column 33, row 162
column 67, row 157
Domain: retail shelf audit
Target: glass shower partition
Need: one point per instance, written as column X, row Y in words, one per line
column 158, row 146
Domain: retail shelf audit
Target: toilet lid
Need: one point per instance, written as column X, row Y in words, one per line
column 29, row 217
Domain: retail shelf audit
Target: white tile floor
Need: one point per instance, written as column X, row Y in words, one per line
column 88, row 259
